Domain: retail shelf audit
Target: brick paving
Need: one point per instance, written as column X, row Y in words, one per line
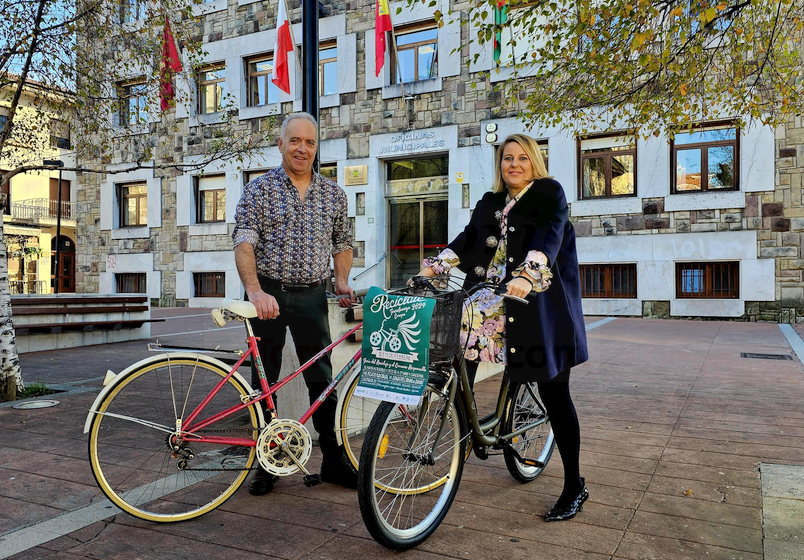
column 674, row 427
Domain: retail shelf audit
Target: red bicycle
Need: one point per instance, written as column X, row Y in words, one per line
column 174, row 436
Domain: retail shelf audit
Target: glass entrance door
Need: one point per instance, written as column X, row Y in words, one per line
column 418, row 230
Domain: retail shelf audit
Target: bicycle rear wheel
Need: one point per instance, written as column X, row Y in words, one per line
column 131, row 449
column 523, row 406
column 404, row 492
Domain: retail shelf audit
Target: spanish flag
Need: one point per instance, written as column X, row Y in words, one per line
column 382, row 24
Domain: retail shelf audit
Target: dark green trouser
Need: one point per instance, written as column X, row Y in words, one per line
column 305, row 313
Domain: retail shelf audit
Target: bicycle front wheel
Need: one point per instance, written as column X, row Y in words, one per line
column 523, row 407
column 405, row 485
column 141, row 467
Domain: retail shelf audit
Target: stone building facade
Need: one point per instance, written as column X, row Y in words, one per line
column 414, row 163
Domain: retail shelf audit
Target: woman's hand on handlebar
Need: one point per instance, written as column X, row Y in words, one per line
column 427, row 272
column 519, row 287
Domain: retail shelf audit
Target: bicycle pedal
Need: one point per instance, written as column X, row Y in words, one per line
column 532, row 463
column 312, row 480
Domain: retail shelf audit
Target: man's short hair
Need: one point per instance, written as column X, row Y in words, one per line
column 294, row 116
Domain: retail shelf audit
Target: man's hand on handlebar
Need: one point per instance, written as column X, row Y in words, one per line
column 347, row 295
column 267, row 307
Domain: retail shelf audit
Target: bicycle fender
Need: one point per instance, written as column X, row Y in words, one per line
column 111, row 380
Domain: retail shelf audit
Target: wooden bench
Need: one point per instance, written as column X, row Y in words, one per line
column 29, row 308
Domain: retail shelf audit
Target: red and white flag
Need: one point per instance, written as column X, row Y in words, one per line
column 170, row 64
column 381, row 25
column 284, row 44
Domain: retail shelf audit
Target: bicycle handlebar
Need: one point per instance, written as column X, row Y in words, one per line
column 426, row 282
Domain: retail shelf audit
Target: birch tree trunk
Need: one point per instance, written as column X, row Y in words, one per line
column 10, row 375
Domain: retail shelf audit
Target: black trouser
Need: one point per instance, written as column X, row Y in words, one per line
column 556, row 397
column 305, row 313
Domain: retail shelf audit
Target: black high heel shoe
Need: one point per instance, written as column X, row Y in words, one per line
column 570, row 510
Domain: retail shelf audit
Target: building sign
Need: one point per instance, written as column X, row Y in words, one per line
column 413, row 142
column 355, row 175
column 396, row 352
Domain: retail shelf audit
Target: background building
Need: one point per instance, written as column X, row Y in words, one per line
column 709, row 225
column 30, row 201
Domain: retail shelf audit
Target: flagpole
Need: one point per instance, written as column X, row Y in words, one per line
column 310, row 88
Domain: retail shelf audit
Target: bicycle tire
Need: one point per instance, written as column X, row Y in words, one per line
column 135, row 466
column 522, row 407
column 393, row 468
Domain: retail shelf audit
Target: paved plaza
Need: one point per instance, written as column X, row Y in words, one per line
column 689, row 450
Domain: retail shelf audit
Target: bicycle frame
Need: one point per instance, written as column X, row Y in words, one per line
column 488, row 433
column 189, row 429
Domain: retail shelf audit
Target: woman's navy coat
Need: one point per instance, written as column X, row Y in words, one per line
column 548, row 335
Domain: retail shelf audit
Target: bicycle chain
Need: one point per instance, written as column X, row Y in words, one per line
column 225, row 470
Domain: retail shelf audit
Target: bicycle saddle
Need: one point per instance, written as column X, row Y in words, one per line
column 243, row 309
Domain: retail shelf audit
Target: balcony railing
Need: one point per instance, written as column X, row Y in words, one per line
column 28, row 287
column 41, row 208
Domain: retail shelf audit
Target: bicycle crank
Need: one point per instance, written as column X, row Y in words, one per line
column 284, row 447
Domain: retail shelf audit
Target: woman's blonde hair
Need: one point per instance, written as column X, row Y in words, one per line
column 530, row 147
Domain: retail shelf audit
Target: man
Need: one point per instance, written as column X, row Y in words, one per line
column 288, row 223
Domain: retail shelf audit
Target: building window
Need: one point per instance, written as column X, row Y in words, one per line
column 328, row 69
column 608, row 281
column 360, row 204
column 608, row 167
column 132, row 10
column 330, row 171
column 210, row 199
column 133, row 102
column 133, row 201
column 712, row 280
column 261, row 90
column 417, row 51
column 211, row 89
column 251, row 175
column 710, row 149
column 59, row 134
column 131, row 283
column 359, row 254
column 518, row 37
column 209, row 284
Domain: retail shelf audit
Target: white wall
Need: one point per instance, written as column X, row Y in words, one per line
column 133, row 262
column 207, row 261
column 656, row 255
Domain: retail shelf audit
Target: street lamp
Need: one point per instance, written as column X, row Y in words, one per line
column 60, row 164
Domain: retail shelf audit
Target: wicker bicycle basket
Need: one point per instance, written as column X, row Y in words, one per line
column 445, row 326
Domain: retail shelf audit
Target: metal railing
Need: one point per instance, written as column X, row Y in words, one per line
column 28, row 287
column 33, row 208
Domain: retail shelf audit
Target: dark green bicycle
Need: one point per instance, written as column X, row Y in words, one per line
column 413, row 456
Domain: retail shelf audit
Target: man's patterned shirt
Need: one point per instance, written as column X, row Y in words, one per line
column 292, row 239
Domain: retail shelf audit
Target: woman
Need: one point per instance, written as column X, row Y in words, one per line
column 520, row 236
